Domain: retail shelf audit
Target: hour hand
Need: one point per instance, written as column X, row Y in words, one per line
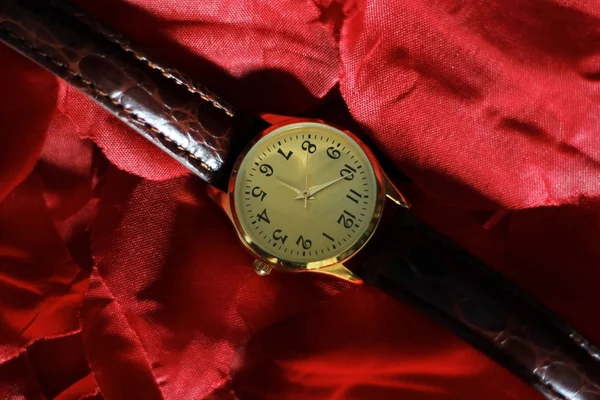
column 296, row 190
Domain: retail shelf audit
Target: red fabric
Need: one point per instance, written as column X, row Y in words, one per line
column 120, row 279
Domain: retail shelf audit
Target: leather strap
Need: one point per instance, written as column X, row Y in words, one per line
column 180, row 117
column 413, row 263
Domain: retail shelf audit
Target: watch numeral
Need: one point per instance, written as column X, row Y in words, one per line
column 328, row 237
column 277, row 235
column 333, row 153
column 307, row 145
column 354, row 193
column 266, row 169
column 264, row 217
column 305, row 243
column 286, row 156
column 346, row 219
column 347, row 172
column 258, row 192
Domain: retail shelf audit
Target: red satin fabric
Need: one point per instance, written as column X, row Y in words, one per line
column 119, row 279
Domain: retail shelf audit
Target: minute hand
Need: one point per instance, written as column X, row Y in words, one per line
column 317, row 188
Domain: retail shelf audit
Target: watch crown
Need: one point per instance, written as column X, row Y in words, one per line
column 261, row 268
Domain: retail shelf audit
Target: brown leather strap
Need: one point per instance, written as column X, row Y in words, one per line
column 414, row 263
column 180, row 117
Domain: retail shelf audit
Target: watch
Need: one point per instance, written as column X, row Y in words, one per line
column 306, row 196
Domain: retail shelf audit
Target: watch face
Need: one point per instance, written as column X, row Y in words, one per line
column 306, row 195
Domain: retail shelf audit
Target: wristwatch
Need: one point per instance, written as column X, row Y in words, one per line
column 306, row 196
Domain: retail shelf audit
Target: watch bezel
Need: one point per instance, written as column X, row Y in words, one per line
column 294, row 266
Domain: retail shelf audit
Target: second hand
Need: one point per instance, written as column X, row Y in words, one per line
column 306, row 178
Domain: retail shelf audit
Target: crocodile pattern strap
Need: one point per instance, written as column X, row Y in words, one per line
column 412, row 262
column 180, row 117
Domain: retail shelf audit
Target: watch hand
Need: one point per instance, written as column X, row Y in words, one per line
column 317, row 188
column 306, row 193
column 296, row 190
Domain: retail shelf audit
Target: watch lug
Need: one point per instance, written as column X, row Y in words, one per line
column 394, row 194
column 339, row 271
column 221, row 199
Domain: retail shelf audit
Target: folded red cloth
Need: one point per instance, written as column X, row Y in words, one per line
column 119, row 278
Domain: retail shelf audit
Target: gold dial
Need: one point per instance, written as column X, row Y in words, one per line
column 306, row 195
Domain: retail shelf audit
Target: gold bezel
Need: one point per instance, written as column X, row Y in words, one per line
column 288, row 265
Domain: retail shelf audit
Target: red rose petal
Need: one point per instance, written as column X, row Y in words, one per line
column 27, row 99
column 489, row 97
column 41, row 287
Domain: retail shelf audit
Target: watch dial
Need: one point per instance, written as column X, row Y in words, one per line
column 305, row 195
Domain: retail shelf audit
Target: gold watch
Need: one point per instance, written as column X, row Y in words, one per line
column 305, row 195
